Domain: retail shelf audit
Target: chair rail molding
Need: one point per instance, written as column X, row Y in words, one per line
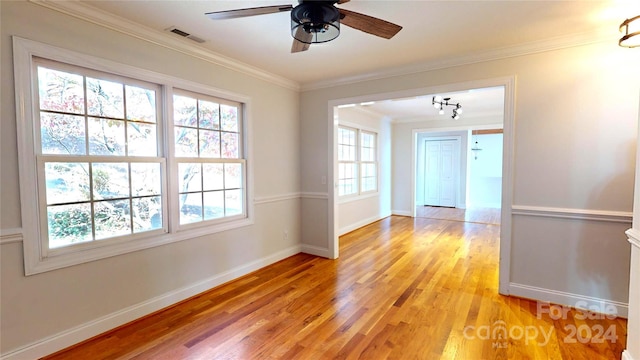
column 634, row 237
column 10, row 236
column 576, row 214
column 258, row 200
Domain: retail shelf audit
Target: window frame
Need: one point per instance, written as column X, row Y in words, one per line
column 351, row 162
column 177, row 160
column 41, row 159
column 38, row 259
column 361, row 162
column 359, row 194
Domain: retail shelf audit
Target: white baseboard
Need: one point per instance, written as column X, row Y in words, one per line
column 358, row 224
column 402, row 213
column 316, row 250
column 98, row 326
column 626, row 355
column 486, row 205
column 568, row 299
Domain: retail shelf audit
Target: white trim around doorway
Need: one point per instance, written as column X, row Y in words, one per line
column 509, row 84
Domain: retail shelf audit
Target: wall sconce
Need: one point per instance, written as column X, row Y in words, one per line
column 631, row 30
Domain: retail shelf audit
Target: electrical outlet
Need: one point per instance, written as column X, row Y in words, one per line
column 285, row 234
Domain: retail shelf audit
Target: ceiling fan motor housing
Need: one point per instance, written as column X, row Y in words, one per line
column 315, row 21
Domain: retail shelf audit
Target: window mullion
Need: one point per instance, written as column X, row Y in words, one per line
column 359, row 161
column 131, row 212
column 86, row 118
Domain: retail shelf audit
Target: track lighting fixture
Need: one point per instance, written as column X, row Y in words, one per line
column 439, row 103
column 631, row 30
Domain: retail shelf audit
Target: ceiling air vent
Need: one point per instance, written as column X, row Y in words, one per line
column 185, row 34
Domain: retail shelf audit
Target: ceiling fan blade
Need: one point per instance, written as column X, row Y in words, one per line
column 369, row 24
column 232, row 14
column 298, row 45
column 343, row 1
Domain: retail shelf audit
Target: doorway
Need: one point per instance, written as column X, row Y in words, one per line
column 403, row 159
column 479, row 182
column 441, row 171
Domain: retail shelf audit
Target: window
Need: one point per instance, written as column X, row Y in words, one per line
column 357, row 161
column 115, row 159
column 368, row 162
column 98, row 153
column 347, row 162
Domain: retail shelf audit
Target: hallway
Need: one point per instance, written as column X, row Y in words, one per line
column 489, row 216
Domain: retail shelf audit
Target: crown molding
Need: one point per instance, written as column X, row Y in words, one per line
column 107, row 20
column 99, row 17
column 535, row 47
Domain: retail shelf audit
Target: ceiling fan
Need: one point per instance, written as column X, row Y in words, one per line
column 316, row 21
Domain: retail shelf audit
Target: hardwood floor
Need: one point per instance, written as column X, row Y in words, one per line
column 403, row 288
column 476, row 215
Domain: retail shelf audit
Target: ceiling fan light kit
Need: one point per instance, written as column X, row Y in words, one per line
column 631, row 30
column 316, row 21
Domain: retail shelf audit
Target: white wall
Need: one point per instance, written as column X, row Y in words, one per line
column 632, row 351
column 362, row 210
column 485, row 171
column 51, row 309
column 574, row 139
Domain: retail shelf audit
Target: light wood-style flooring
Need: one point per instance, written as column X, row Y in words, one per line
column 403, row 288
column 475, row 215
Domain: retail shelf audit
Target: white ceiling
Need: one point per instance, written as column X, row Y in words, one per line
column 434, row 33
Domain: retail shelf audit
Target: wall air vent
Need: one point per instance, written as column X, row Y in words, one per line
column 185, row 34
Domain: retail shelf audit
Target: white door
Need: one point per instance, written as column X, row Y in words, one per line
column 432, row 173
column 441, row 172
